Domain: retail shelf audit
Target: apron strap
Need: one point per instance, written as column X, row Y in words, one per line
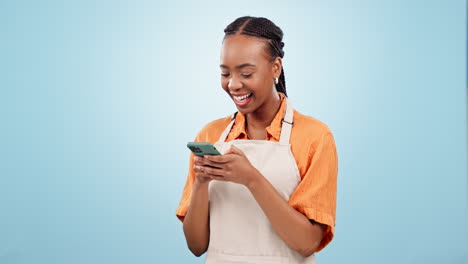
column 226, row 131
column 287, row 123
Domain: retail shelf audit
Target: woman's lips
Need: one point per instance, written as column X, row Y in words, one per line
column 242, row 100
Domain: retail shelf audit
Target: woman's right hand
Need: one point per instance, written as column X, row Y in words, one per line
column 200, row 176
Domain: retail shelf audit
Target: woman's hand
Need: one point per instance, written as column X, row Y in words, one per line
column 200, row 175
column 233, row 166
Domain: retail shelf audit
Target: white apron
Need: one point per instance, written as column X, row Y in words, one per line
column 239, row 230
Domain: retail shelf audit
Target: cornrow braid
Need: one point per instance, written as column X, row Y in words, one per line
column 263, row 28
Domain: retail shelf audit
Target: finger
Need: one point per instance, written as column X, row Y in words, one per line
column 198, row 160
column 218, row 159
column 204, row 162
column 199, row 163
column 200, row 172
column 207, row 162
column 237, row 150
column 213, row 171
column 199, row 168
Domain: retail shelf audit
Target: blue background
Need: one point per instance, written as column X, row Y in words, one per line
column 99, row 98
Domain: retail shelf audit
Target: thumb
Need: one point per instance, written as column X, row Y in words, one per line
column 235, row 150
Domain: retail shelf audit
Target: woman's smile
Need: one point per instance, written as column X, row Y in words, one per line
column 242, row 100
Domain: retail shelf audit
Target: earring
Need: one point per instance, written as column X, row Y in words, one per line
column 276, row 80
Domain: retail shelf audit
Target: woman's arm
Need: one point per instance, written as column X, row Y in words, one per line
column 196, row 221
column 296, row 230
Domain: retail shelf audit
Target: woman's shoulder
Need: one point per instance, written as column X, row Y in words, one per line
column 212, row 130
column 309, row 127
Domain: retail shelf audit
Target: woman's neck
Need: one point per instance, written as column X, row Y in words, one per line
column 263, row 117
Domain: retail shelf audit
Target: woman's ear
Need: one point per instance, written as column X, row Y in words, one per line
column 277, row 63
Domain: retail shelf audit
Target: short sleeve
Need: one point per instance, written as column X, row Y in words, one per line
column 315, row 196
column 184, row 203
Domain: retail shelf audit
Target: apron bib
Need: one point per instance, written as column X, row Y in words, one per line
column 239, row 230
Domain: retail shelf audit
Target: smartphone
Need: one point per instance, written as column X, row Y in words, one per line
column 203, row 148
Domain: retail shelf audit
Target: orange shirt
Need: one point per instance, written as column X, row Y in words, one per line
column 314, row 150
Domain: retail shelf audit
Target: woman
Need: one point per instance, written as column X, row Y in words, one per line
column 272, row 198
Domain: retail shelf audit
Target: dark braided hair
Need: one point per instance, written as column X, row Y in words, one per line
column 262, row 28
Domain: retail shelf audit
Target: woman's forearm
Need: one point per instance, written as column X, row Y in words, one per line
column 293, row 227
column 196, row 222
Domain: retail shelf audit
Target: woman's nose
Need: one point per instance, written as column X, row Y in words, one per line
column 234, row 84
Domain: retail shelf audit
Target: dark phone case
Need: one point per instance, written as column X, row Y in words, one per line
column 203, row 148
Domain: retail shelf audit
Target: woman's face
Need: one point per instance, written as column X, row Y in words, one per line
column 247, row 75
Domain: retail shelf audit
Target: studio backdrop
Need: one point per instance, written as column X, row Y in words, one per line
column 98, row 100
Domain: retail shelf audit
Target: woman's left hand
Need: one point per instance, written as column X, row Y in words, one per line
column 233, row 166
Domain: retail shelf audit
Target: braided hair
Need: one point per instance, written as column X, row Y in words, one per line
column 262, row 28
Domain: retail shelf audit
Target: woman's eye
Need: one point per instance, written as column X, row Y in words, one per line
column 243, row 75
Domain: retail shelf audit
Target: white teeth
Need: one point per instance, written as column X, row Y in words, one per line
column 241, row 98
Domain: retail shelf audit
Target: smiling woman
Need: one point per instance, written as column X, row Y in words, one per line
column 272, row 196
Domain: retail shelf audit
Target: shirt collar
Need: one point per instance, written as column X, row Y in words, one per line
column 273, row 130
